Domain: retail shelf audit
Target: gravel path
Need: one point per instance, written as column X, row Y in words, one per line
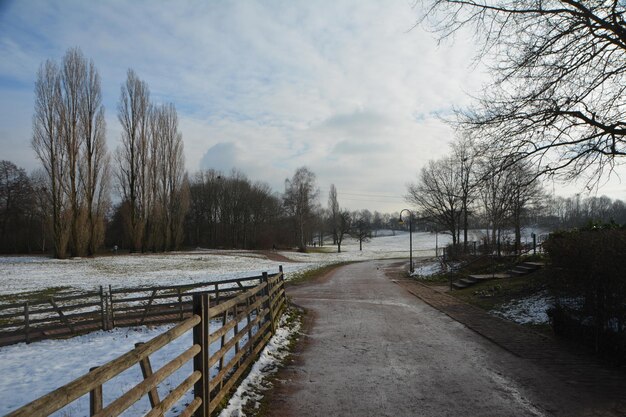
column 373, row 349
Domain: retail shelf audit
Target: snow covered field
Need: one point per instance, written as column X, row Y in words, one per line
column 26, row 274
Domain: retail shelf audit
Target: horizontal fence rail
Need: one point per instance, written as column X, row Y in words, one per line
column 229, row 331
column 79, row 313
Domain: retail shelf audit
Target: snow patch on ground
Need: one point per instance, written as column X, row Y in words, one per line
column 528, row 310
column 255, row 383
column 427, row 269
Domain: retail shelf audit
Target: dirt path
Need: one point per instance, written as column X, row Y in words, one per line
column 373, row 349
column 275, row 256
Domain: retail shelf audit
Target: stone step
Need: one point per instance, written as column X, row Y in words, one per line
column 485, row 277
column 459, row 285
column 527, row 268
column 468, row 281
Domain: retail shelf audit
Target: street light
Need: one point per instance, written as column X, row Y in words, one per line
column 400, row 221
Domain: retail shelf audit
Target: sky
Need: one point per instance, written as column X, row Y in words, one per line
column 351, row 89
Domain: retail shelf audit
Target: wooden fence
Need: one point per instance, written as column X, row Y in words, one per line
column 53, row 317
column 247, row 322
column 69, row 315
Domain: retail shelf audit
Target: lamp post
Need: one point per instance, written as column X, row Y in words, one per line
column 400, row 221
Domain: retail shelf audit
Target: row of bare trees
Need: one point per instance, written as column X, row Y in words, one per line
column 151, row 175
column 470, row 183
column 233, row 212
column 69, row 140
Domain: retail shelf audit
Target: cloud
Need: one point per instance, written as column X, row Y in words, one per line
column 221, row 157
column 346, row 88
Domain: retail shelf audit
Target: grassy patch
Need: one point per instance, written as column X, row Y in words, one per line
column 33, row 296
column 492, row 294
column 297, row 278
column 321, row 249
column 436, row 279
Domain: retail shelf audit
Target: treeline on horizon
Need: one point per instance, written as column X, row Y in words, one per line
column 232, row 211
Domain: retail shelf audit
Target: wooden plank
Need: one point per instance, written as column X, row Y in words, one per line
column 192, row 408
column 111, row 308
column 63, row 318
column 148, row 306
column 53, row 319
column 102, row 310
column 89, row 294
column 180, row 304
column 200, row 362
column 223, row 338
column 141, row 298
column 64, row 395
column 218, row 333
column 268, row 299
column 220, row 308
column 95, row 397
column 49, row 310
column 215, row 402
column 175, row 395
column 173, row 306
column 26, row 322
column 134, row 394
column 235, row 359
column 185, row 286
column 146, row 371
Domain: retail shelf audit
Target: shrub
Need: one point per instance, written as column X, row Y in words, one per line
column 588, row 281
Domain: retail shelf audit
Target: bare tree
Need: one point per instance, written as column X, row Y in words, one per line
column 344, row 224
column 132, row 155
column 437, row 194
column 557, row 99
column 171, row 163
column 16, row 202
column 464, row 154
column 49, row 147
column 73, row 74
column 94, row 161
column 69, row 139
column 300, row 200
column 526, row 192
column 333, row 211
column 362, row 226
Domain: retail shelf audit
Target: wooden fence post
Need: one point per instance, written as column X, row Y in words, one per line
column 95, row 398
column 269, row 302
column 111, row 309
column 201, row 361
column 180, row 303
column 103, row 308
column 146, row 371
column 26, row 322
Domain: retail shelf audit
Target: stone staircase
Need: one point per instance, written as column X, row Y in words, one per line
column 523, row 268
